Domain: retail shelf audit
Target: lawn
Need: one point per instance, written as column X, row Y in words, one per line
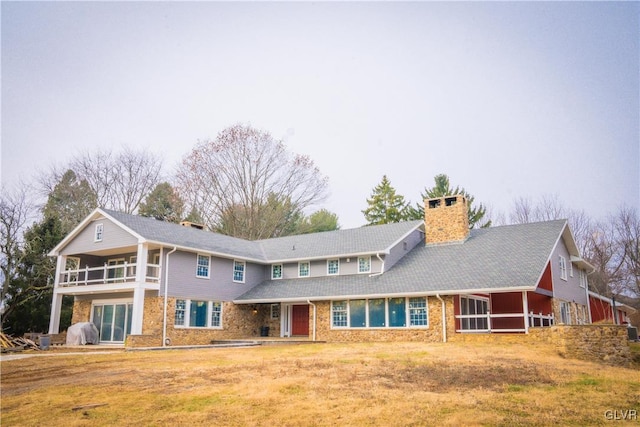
column 397, row 384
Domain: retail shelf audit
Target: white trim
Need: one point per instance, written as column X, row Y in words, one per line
column 562, row 266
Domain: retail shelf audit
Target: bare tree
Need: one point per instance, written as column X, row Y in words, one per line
column 522, row 212
column 242, row 172
column 627, row 226
column 16, row 209
column 120, row 181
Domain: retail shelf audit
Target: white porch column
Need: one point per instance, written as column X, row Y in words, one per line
column 138, row 310
column 141, row 262
column 56, row 304
column 56, row 308
column 525, row 309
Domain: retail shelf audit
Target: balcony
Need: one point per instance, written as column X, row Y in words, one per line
column 107, row 274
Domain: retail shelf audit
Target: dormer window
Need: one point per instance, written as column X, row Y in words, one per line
column 276, row 271
column 99, row 232
column 333, row 267
column 364, row 264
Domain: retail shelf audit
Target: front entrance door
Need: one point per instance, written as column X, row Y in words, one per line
column 300, row 320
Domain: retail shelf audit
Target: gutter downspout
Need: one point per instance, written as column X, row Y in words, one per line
column 444, row 319
column 166, row 296
column 381, row 268
column 314, row 319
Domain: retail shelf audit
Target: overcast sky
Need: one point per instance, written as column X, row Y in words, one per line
column 508, row 99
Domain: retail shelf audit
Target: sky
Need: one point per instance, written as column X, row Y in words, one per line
column 509, row 99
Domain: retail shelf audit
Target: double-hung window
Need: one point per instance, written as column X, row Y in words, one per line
column 303, row 269
column 364, row 264
column 333, row 267
column 418, row 312
column 238, row 271
column 276, row 271
column 98, row 233
column 202, row 268
column 565, row 313
column 562, row 263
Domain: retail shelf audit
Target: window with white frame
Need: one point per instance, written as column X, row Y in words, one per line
column 474, row 312
column 276, row 271
column 570, row 268
column 565, row 313
column 238, row 271
column 333, row 266
column 562, row 264
column 131, row 270
column 303, row 269
column 198, row 313
column 98, row 233
column 202, row 268
column 380, row 313
column 275, row 311
column 339, row 314
column 583, row 279
column 364, row 264
column 418, row 311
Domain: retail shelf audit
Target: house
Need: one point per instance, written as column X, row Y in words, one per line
column 608, row 310
column 167, row 284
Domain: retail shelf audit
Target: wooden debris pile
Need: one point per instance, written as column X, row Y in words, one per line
column 10, row 343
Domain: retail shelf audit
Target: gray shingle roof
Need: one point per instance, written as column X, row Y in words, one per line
column 498, row 258
column 188, row 237
column 362, row 240
column 354, row 241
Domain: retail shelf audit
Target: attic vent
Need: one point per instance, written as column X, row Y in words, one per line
column 450, row 201
column 434, row 203
column 192, row 225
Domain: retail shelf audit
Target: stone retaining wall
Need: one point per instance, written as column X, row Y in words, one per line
column 598, row 343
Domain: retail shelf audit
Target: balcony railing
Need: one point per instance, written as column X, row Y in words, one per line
column 484, row 322
column 120, row 273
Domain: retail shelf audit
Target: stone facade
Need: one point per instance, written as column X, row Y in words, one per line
column 81, row 311
column 579, row 313
column 238, row 322
column 446, row 219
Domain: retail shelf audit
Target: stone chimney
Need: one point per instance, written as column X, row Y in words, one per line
column 446, row 219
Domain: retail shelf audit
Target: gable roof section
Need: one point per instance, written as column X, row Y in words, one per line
column 187, row 237
column 506, row 258
column 339, row 243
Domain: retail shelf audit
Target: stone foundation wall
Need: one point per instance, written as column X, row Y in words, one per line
column 431, row 333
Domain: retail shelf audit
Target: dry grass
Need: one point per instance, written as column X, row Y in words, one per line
column 317, row 384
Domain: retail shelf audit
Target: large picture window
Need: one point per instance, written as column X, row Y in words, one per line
column 380, row 313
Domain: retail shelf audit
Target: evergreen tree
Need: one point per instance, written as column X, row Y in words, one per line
column 163, row 204
column 385, row 206
column 71, row 200
column 443, row 188
column 28, row 297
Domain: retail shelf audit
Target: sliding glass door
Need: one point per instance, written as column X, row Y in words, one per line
column 113, row 321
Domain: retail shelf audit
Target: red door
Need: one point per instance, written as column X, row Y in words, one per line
column 300, row 320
